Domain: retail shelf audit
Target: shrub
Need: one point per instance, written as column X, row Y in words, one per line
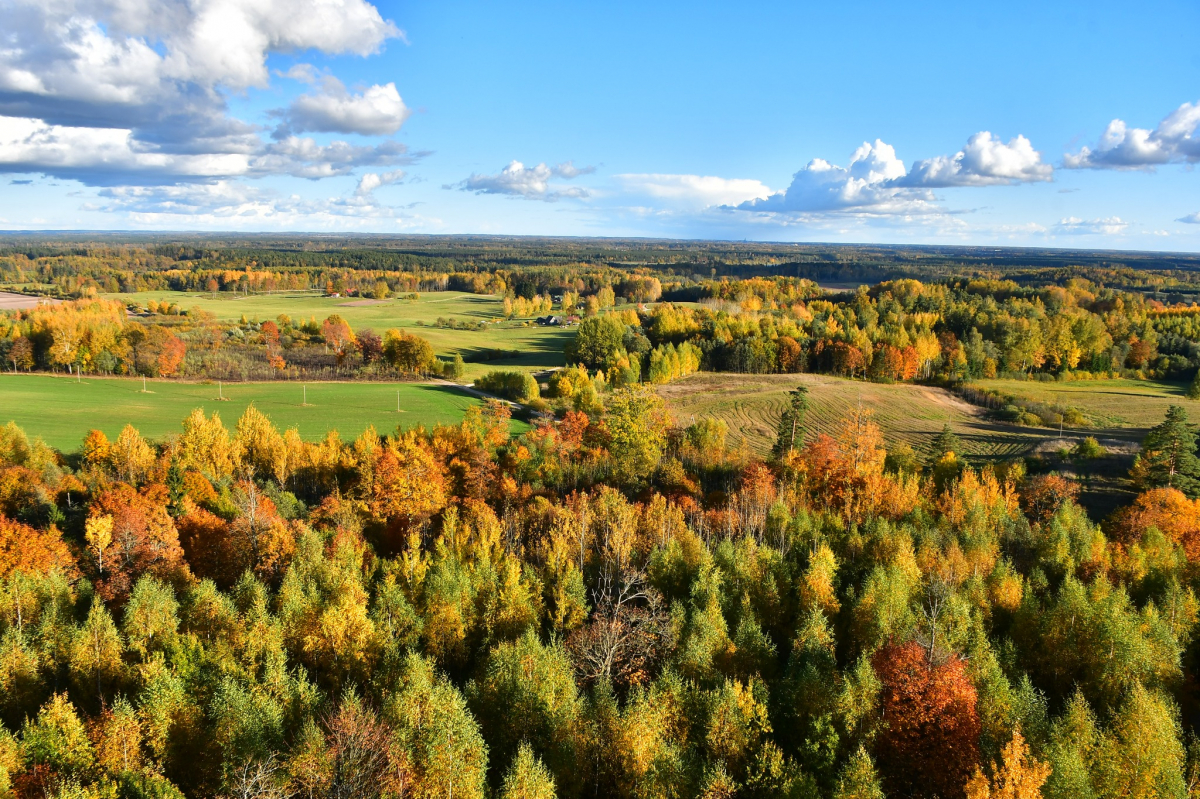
column 516, row 386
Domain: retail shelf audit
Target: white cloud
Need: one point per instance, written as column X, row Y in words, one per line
column 377, row 111
column 1074, row 226
column 870, row 185
column 694, row 190
column 532, row 183
column 235, row 205
column 149, row 78
column 1191, row 219
column 985, row 161
column 373, row 180
column 110, row 156
column 1123, row 147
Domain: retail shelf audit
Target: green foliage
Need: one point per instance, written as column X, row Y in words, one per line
column 790, row 433
column 1169, row 455
column 516, row 386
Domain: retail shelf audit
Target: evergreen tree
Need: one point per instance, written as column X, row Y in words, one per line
column 1169, row 455
column 791, row 424
column 943, row 444
column 1193, row 391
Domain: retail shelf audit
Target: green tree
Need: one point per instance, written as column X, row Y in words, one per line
column 1193, row 391
column 597, row 340
column 791, row 424
column 1169, row 455
column 637, row 426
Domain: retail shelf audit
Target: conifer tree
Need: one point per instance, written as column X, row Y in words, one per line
column 791, row 424
column 1169, row 455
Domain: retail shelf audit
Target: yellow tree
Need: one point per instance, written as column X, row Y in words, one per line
column 1020, row 776
column 131, row 456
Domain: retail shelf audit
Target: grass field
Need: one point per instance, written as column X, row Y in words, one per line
column 1139, row 404
column 61, row 411
column 752, row 404
column 540, row 347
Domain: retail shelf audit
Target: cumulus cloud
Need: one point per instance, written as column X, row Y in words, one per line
column 694, row 190
column 1074, row 226
column 377, row 111
column 869, row 185
column 1191, row 219
column 145, row 81
column 373, row 180
column 111, row 156
column 531, row 183
column 984, row 161
column 1174, row 140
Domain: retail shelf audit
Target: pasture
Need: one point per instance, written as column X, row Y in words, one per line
column 538, row 347
column 62, row 411
column 1137, row 404
column 752, row 404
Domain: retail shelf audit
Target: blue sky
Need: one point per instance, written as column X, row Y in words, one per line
column 1046, row 124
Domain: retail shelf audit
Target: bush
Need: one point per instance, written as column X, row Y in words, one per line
column 1088, row 449
column 516, row 386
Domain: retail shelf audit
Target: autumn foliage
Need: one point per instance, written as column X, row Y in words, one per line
column 929, row 744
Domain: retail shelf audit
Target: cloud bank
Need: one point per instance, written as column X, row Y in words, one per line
column 1174, row 140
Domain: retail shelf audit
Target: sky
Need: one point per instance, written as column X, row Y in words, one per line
column 1035, row 124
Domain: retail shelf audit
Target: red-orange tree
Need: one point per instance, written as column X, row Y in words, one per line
column 929, row 743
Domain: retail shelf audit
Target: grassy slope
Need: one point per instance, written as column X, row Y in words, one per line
column 540, row 347
column 752, row 404
column 61, row 411
column 1137, row 404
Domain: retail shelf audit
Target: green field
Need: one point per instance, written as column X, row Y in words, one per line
column 1139, row 404
column 61, row 411
column 752, row 405
column 540, row 347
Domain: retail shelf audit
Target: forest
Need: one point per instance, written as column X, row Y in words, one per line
column 615, row 602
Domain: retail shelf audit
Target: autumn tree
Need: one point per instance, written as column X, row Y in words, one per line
column 1020, row 776
column 929, row 743
column 407, row 353
column 339, row 338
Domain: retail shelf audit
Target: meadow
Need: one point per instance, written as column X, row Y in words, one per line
column 538, row 347
column 1138, row 404
column 752, row 404
column 61, row 411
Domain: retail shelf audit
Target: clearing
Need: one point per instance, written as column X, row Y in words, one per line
column 20, row 302
column 752, row 404
column 538, row 347
column 62, row 411
column 1134, row 404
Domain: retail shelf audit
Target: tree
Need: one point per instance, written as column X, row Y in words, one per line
column 636, row 421
column 1193, row 392
column 21, row 354
column 370, row 345
column 943, row 444
column 338, row 336
column 1021, row 775
column 858, row 779
column 930, row 741
column 407, row 353
column 597, row 340
column 790, row 432
column 528, row 778
column 25, row 549
column 1169, row 455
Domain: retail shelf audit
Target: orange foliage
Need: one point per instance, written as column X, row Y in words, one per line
column 1175, row 516
column 1043, row 495
column 929, row 744
column 22, row 548
column 144, row 539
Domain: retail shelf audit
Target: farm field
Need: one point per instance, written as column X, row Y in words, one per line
column 751, row 406
column 539, row 347
column 61, row 411
column 1137, row 404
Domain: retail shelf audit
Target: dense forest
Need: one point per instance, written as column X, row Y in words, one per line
column 608, row 605
column 643, row 320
